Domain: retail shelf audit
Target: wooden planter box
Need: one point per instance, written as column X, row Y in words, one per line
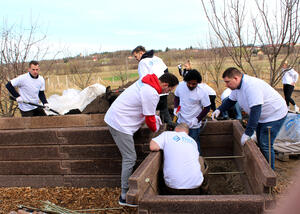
column 218, row 139
column 71, row 150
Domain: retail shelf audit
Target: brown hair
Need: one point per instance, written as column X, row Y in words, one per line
column 231, row 72
column 138, row 49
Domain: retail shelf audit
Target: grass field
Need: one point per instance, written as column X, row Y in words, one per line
column 109, row 75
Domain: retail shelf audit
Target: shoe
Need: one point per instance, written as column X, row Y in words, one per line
column 296, row 108
column 124, row 203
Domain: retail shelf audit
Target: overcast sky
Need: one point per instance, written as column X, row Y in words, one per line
column 98, row 25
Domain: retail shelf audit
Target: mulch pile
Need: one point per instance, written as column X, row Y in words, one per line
column 66, row 197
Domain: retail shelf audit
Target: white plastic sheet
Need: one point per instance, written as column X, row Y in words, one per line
column 74, row 99
column 290, row 130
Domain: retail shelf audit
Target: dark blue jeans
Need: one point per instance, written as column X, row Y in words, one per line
column 237, row 110
column 263, row 138
column 195, row 134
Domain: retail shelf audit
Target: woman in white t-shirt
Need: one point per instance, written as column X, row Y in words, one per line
column 289, row 79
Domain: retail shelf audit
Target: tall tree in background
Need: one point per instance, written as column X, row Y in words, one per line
column 239, row 32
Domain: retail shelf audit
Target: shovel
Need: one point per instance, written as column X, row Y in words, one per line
column 33, row 104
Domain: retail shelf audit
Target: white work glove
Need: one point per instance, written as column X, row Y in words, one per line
column 215, row 114
column 19, row 99
column 253, row 137
column 158, row 122
column 195, row 122
column 175, row 112
column 47, row 107
column 245, row 138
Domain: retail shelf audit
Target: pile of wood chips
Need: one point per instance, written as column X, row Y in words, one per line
column 66, row 197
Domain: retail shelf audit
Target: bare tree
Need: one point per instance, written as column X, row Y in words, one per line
column 81, row 72
column 239, row 32
column 214, row 62
column 121, row 71
column 18, row 45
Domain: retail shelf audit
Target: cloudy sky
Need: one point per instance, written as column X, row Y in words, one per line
column 98, row 25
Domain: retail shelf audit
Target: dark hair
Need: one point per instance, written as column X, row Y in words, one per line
column 231, row 72
column 138, row 49
column 33, row 62
column 169, row 78
column 193, row 74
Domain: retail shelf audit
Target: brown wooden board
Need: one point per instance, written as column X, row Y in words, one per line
column 79, row 120
column 204, row 204
column 258, row 171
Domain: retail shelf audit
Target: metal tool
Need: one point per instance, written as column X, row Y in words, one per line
column 33, row 104
column 269, row 136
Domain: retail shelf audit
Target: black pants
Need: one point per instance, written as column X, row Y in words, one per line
column 33, row 113
column 212, row 99
column 288, row 90
column 162, row 106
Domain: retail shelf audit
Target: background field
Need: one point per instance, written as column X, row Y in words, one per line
column 109, row 68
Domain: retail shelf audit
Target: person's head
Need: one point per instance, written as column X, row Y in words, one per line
column 188, row 65
column 285, row 64
column 168, row 82
column 182, row 127
column 138, row 52
column 192, row 78
column 34, row 68
column 232, row 77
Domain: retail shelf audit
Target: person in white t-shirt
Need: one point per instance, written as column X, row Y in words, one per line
column 194, row 103
column 181, row 167
column 289, row 79
column 210, row 91
column 211, row 94
column 264, row 105
column 151, row 64
column 31, row 87
column 136, row 105
column 236, row 108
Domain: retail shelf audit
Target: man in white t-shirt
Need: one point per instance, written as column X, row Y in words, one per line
column 181, row 167
column 31, row 88
column 151, row 64
column 264, row 105
column 194, row 103
column 136, row 105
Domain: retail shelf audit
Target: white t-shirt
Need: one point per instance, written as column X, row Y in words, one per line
column 225, row 93
column 182, row 169
column 254, row 92
column 28, row 89
column 191, row 102
column 153, row 65
column 289, row 76
column 209, row 90
column 128, row 111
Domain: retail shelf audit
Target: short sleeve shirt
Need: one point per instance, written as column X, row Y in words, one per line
column 182, row 169
column 191, row 102
column 254, row 92
column 153, row 65
column 128, row 111
column 28, row 89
